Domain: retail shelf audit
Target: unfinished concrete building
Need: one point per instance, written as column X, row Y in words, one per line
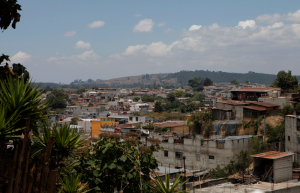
column 200, row 154
column 292, row 136
column 273, row 166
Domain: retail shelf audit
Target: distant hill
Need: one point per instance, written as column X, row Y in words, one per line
column 176, row 79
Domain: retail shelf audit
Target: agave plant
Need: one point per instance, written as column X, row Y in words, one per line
column 159, row 186
column 71, row 184
column 22, row 100
column 66, row 141
column 7, row 125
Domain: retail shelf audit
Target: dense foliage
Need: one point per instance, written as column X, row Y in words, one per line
column 57, row 99
column 9, row 13
column 197, row 84
column 285, row 81
column 119, row 165
column 287, row 110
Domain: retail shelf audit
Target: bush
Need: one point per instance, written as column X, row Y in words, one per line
column 287, row 110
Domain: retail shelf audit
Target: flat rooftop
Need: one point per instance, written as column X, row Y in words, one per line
column 272, row 155
column 263, row 187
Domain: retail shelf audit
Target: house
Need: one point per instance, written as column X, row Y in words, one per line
column 174, row 127
column 256, row 109
column 76, row 110
column 252, row 94
column 199, row 153
column 292, row 136
column 235, row 106
column 273, row 164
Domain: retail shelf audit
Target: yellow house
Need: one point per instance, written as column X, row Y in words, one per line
column 104, row 122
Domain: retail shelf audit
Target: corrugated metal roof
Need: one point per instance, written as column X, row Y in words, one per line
column 272, row 155
column 232, row 102
column 256, row 108
column 254, row 89
column 264, row 104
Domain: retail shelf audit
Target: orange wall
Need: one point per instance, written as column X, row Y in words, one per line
column 96, row 128
column 108, row 121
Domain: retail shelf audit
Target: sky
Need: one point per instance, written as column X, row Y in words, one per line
column 60, row 41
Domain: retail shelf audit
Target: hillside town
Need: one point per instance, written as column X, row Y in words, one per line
column 167, row 96
column 202, row 131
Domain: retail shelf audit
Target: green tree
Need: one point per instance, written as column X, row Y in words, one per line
column 243, row 162
column 95, row 87
column 199, row 122
column 80, row 91
column 147, row 98
column 234, row 82
column 285, row 81
column 9, row 13
column 116, row 165
column 171, row 97
column 247, row 82
column 287, row 110
column 58, row 103
column 258, row 145
column 90, row 104
column 275, row 134
column 207, row 82
column 179, row 93
column 158, row 107
column 191, row 107
column 74, row 121
column 136, row 99
column 59, row 111
column 198, row 97
column 196, row 83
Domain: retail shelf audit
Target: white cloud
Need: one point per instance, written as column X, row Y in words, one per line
column 169, row 30
column 96, row 24
column 70, row 33
column 249, row 47
column 20, row 57
column 247, row 23
column 195, row 27
column 82, row 45
column 138, row 15
column 144, row 26
column 271, row 19
column 161, row 24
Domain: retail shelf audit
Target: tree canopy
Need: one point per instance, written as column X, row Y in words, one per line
column 207, row 82
column 196, row 83
column 9, row 13
column 285, row 81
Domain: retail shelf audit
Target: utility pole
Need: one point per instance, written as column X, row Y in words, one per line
column 184, row 186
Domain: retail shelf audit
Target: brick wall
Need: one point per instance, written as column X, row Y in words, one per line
column 283, row 169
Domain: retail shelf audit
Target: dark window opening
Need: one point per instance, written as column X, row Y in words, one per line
column 178, row 155
column 211, row 157
column 166, row 153
column 289, row 138
column 136, row 119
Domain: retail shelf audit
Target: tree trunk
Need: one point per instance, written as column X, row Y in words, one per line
column 21, row 158
column 36, row 186
column 51, row 181
column 26, row 172
column 31, row 179
column 46, row 164
column 3, row 165
column 13, row 170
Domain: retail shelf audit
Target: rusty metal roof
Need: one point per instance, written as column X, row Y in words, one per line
column 254, row 89
column 256, row 108
column 264, row 104
column 272, row 155
column 235, row 103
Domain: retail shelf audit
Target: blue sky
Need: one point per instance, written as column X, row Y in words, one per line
column 138, row 37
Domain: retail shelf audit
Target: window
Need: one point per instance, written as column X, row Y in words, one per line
column 298, row 140
column 136, row 119
column 112, row 119
column 166, row 153
column 104, row 119
column 101, row 119
column 289, row 138
column 197, row 157
column 211, row 157
column 108, row 119
column 130, row 118
column 220, row 145
column 178, row 155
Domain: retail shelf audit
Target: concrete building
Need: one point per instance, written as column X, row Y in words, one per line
column 252, row 94
column 292, row 136
column 200, row 154
column 76, row 110
column 235, row 106
column 273, row 164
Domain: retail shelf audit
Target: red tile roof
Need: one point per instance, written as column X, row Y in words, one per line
column 254, row 89
column 272, row 155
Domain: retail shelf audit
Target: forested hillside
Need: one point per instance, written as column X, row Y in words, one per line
column 173, row 79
